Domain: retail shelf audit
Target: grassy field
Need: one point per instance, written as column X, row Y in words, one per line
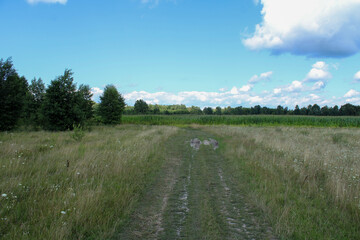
column 146, row 182
column 305, row 180
column 245, row 120
column 53, row 187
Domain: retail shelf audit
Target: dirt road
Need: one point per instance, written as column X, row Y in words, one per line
column 194, row 197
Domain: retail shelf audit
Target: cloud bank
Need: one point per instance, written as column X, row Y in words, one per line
column 46, row 1
column 314, row 28
column 297, row 92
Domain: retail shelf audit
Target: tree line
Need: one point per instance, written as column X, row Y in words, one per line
column 60, row 106
column 141, row 107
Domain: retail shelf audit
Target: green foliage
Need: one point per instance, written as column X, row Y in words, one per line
column 111, row 106
column 34, row 101
column 208, row 111
column 195, row 110
column 64, row 105
column 218, row 111
column 141, row 107
column 251, row 120
column 78, row 132
column 12, row 95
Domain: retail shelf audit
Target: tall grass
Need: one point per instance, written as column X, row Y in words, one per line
column 306, row 180
column 55, row 187
column 251, row 120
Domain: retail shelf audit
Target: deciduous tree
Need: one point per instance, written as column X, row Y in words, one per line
column 111, row 106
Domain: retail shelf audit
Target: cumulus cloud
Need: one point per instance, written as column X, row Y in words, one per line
column 290, row 96
column 319, row 74
column 319, row 71
column 262, row 77
column 357, row 77
column 96, row 92
column 318, row 85
column 233, row 98
column 252, row 81
column 352, row 93
column 46, row 1
column 314, row 28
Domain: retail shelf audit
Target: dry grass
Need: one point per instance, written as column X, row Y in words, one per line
column 307, row 180
column 54, row 187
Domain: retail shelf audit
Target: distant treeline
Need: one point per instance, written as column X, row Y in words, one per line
column 63, row 106
column 141, row 107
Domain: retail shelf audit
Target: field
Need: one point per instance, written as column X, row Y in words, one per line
column 153, row 182
column 245, row 120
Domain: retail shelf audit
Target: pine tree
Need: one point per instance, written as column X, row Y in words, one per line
column 12, row 95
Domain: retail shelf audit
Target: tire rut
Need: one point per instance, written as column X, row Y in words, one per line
column 196, row 198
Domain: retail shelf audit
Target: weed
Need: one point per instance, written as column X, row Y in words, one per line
column 78, row 133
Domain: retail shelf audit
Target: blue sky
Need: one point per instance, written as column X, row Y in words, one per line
column 204, row 53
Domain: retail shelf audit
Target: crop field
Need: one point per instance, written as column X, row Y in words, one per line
column 245, row 120
column 182, row 182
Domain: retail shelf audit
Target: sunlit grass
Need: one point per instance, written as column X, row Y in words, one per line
column 306, row 180
column 53, row 187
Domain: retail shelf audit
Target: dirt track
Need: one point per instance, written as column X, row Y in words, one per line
column 194, row 197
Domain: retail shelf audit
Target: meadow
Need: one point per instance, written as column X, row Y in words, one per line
column 55, row 187
column 304, row 182
column 244, row 120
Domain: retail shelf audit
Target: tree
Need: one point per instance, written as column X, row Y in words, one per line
column 12, row 95
column 279, row 110
column 64, row 106
column 348, row 110
column 141, row 107
column 297, row 110
column 325, row 111
column 208, row 111
column 195, row 110
column 315, row 110
column 34, row 101
column 255, row 110
column 85, row 103
column 111, row 106
column 218, row 110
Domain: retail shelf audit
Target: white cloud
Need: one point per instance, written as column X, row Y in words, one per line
column 234, row 90
column 313, row 28
column 262, row 77
column 290, row 95
column 318, row 85
column 318, row 72
column 357, row 77
column 295, row 86
column 245, row 88
column 355, row 101
column 96, row 92
column 352, row 93
column 277, row 90
column 47, row 1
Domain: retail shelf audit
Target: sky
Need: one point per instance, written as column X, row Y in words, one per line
column 202, row 53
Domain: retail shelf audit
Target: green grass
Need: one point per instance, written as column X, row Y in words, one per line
column 303, row 181
column 307, row 185
column 55, row 187
column 251, row 120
